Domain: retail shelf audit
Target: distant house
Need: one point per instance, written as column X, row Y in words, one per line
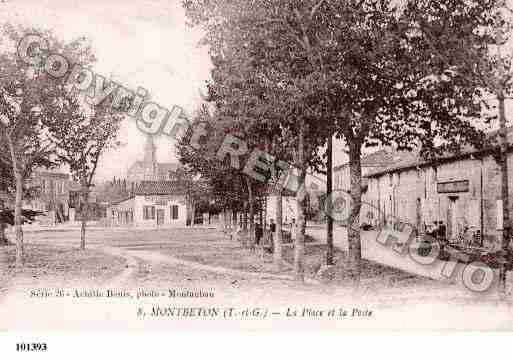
column 375, row 161
column 153, row 203
column 6, row 200
column 51, row 194
column 289, row 204
column 289, row 207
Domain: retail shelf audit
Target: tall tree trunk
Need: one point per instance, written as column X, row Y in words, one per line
column 329, row 203
column 193, row 212
column 504, row 191
column 301, row 197
column 17, row 206
column 3, row 238
column 84, row 214
column 264, row 224
column 261, row 211
column 353, row 226
column 277, row 257
column 18, row 220
column 251, row 213
column 245, row 217
column 235, row 217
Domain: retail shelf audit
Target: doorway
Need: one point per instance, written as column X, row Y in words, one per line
column 160, row 217
column 452, row 224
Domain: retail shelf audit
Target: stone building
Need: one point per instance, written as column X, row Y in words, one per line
column 372, row 162
column 289, row 208
column 155, row 197
column 6, row 200
column 461, row 192
column 51, row 195
column 152, row 204
column 149, row 169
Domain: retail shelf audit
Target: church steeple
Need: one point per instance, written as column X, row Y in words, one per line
column 149, row 152
column 150, row 160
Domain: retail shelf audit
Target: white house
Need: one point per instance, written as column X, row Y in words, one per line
column 153, row 204
column 289, row 208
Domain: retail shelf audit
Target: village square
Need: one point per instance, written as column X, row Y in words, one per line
column 344, row 160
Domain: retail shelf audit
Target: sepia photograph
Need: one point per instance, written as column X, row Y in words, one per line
column 231, row 166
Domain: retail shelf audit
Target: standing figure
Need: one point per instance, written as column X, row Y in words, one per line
column 259, row 232
column 272, row 231
column 293, row 230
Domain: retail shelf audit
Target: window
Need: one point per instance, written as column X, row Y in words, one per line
column 174, row 212
column 148, row 212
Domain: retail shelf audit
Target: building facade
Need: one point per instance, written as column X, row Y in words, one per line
column 372, row 162
column 153, row 204
column 461, row 193
column 6, row 200
column 51, row 195
column 289, row 208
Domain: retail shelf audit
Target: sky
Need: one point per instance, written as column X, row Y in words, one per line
column 138, row 43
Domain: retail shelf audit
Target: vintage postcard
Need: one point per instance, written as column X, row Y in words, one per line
column 215, row 165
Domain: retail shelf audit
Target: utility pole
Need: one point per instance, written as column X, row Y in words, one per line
column 329, row 204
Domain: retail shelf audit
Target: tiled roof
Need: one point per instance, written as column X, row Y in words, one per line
column 146, row 188
column 7, row 198
column 48, row 174
column 378, row 159
column 381, row 158
column 404, row 159
column 164, row 168
column 121, row 200
column 75, row 186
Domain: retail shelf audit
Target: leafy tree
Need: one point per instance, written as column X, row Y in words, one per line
column 362, row 70
column 22, row 96
column 380, row 85
column 197, row 190
column 225, row 184
column 81, row 133
column 245, row 100
column 483, row 58
column 26, row 93
column 6, row 185
column 258, row 34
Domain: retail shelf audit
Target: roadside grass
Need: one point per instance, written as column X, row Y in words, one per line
column 217, row 250
column 372, row 273
column 58, row 265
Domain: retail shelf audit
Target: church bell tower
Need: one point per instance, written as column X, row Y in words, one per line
column 150, row 160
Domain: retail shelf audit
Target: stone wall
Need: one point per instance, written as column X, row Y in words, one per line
column 411, row 195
